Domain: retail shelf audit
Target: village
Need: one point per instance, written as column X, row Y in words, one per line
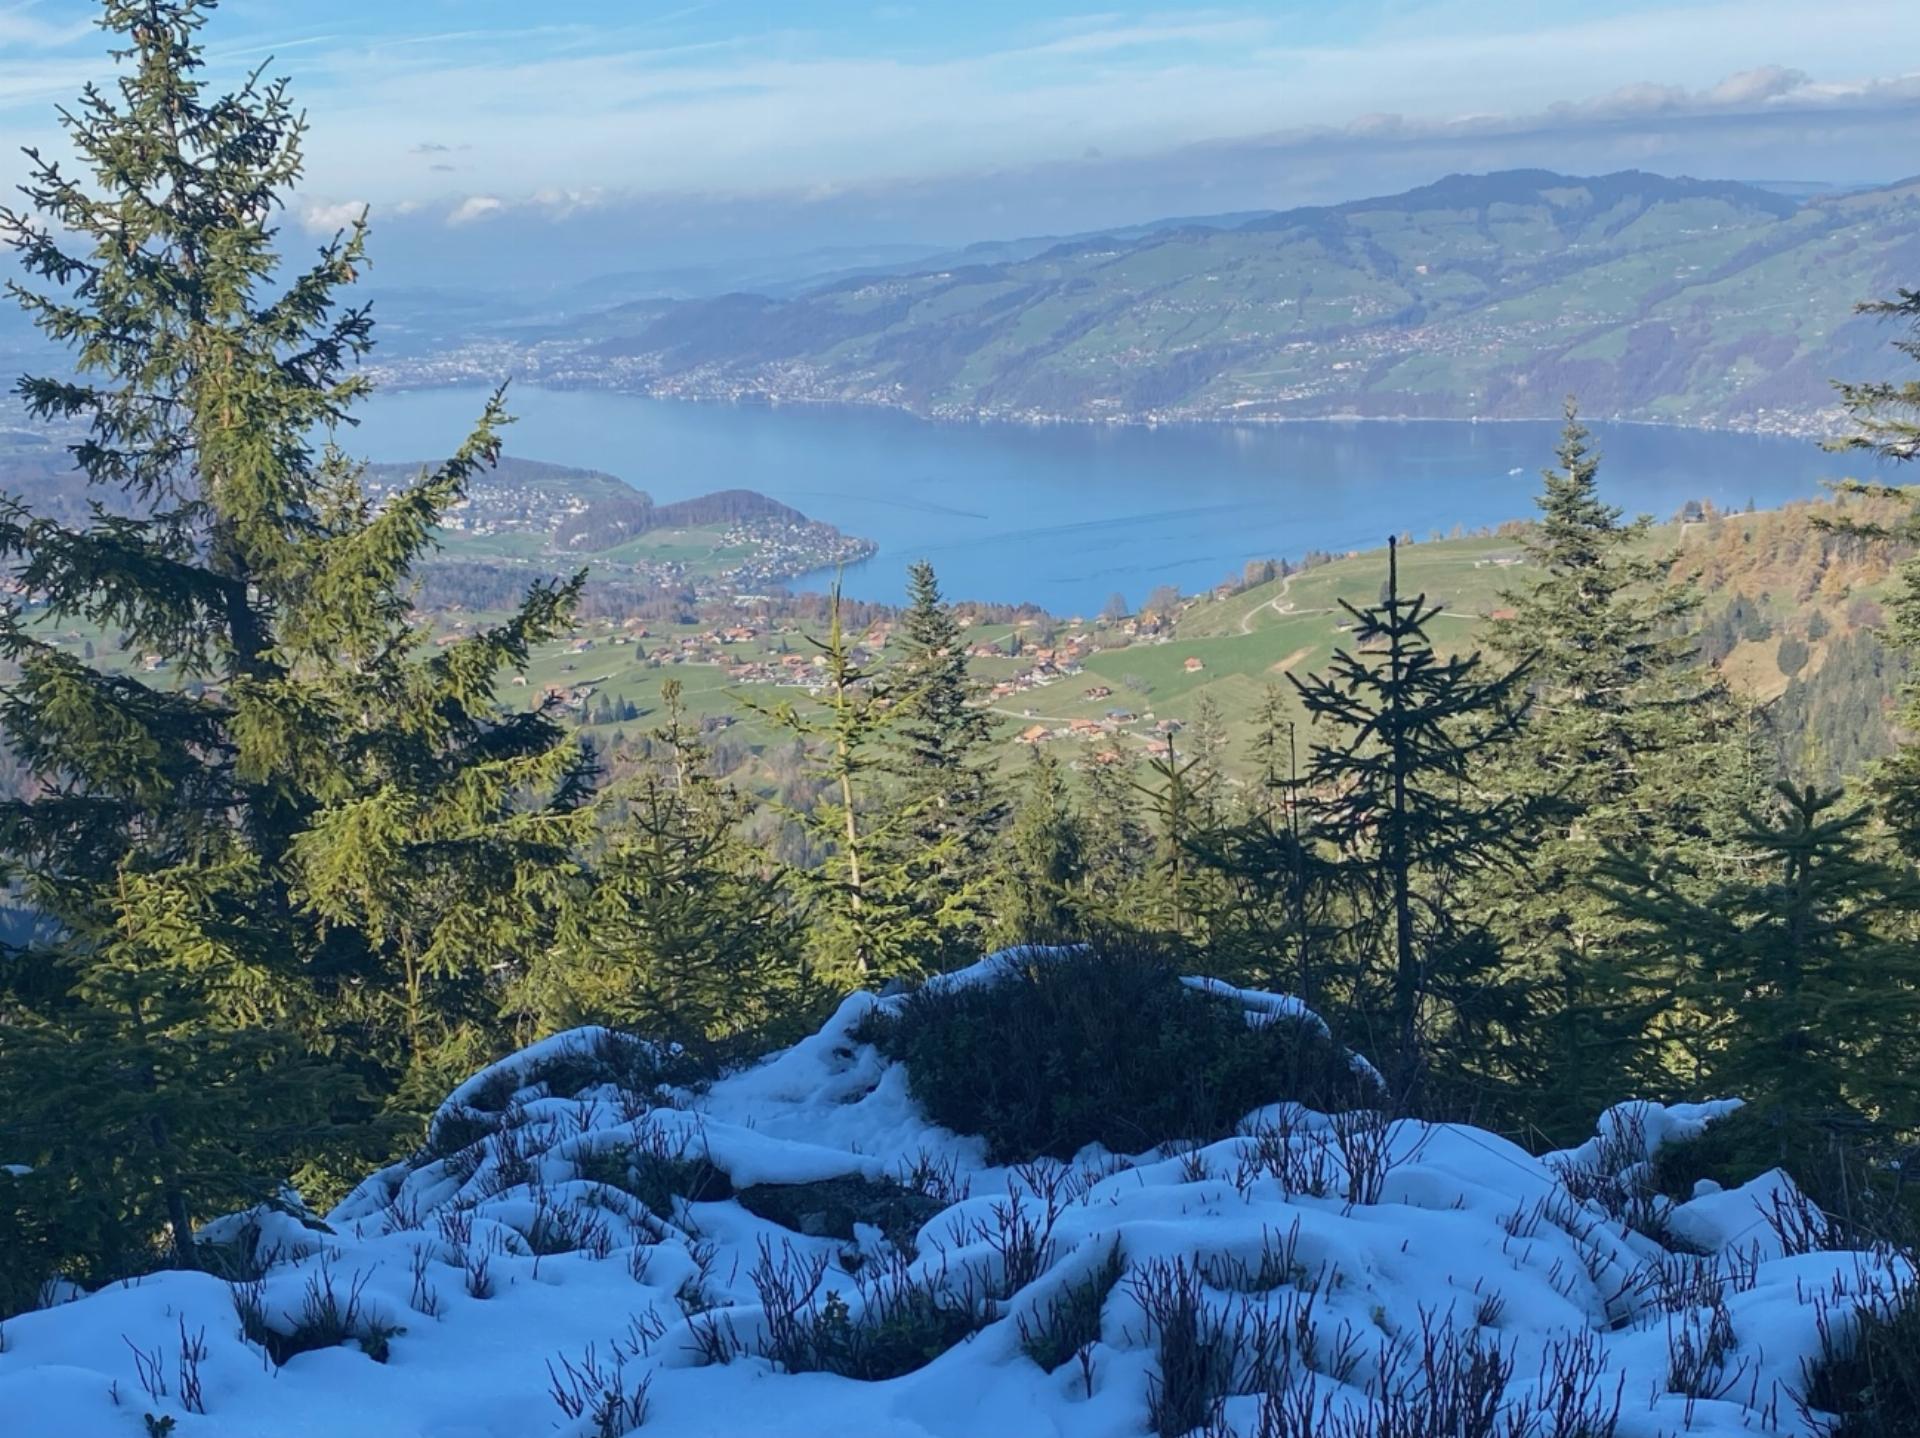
column 596, row 675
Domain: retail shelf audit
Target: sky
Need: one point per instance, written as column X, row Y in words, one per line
column 548, row 142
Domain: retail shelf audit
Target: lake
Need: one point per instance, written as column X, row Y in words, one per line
column 1066, row 515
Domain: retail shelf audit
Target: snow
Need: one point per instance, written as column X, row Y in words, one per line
column 1366, row 1236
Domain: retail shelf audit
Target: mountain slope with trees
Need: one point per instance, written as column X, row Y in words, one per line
column 1695, row 302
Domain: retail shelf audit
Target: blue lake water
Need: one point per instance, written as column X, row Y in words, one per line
column 1066, row 515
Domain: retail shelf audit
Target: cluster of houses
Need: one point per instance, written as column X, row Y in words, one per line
column 1112, row 724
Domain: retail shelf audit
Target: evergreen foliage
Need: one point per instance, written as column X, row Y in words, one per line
column 1407, row 728
column 278, row 895
column 1101, row 1045
column 1788, row 988
column 688, row 932
column 1629, row 743
column 939, row 740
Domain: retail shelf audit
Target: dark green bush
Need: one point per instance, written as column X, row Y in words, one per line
column 1104, row 1045
column 831, row 1207
column 1071, row 1320
column 1873, row 1380
column 1852, row 1176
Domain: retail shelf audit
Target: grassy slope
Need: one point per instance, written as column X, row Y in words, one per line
column 1249, row 641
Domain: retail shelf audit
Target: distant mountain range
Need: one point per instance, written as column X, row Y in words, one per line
column 1688, row 301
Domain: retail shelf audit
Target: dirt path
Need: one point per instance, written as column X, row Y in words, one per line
column 1246, row 620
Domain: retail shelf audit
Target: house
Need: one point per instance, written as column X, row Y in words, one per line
column 1194, row 664
column 1100, row 691
column 1033, row 734
column 1120, row 716
column 1084, row 728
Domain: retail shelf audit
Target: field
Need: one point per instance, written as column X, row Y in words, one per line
column 1124, row 693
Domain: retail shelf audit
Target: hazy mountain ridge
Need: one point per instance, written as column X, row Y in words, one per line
column 1700, row 302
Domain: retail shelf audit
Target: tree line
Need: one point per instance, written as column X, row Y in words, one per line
column 278, row 911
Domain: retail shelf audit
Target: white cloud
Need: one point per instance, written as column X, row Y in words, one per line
column 475, row 207
column 1769, row 82
column 325, row 219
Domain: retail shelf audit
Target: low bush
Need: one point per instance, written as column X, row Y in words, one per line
column 831, row 1207
column 1860, row 1183
column 1870, row 1376
column 1071, row 1320
column 900, row 1320
column 1102, row 1045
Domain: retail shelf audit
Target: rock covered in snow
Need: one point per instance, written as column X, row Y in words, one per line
column 582, row 1248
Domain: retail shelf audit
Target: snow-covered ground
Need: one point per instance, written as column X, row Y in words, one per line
column 1318, row 1266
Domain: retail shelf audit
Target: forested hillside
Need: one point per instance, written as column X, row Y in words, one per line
column 1481, row 295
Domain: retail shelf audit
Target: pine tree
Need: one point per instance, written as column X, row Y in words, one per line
column 938, row 738
column 1886, row 418
column 870, row 924
column 1040, row 885
column 1174, row 802
column 1799, row 987
column 1409, row 729
column 1630, row 742
column 316, row 837
column 689, row 934
column 1116, row 843
column 1277, row 919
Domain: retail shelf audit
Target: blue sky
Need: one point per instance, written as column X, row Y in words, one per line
column 659, row 132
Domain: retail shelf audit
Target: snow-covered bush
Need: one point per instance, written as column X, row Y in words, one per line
column 1059, row 1049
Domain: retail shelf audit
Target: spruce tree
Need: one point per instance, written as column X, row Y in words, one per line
column 1277, row 919
column 1797, row 988
column 870, row 924
column 304, row 835
column 1886, row 419
column 1040, row 883
column 1116, row 844
column 1630, row 742
column 938, row 739
column 1407, row 730
column 689, row 934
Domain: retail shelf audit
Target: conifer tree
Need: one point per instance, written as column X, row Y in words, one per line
column 1116, row 843
column 1276, row 922
column 1799, row 988
column 1886, row 418
column 1629, row 742
column 870, row 925
column 1407, row 729
column 1173, row 801
column 302, row 835
column 943, row 787
column 689, row 935
column 1039, row 896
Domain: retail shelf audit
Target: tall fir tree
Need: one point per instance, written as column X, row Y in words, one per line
column 869, row 923
column 1040, row 894
column 943, row 782
column 1407, row 728
column 1276, row 920
column 1886, row 424
column 1116, row 844
column 301, row 836
column 1630, row 742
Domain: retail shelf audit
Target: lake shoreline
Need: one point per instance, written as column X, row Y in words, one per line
column 1064, row 515
column 1812, row 430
